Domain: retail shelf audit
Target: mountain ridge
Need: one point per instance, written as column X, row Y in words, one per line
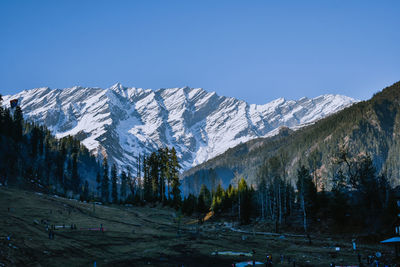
column 370, row 127
column 121, row 122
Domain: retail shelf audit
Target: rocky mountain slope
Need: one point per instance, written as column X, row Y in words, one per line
column 122, row 122
column 366, row 128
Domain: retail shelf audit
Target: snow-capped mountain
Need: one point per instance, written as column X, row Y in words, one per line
column 122, row 122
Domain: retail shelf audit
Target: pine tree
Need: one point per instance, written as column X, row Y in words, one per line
column 164, row 172
column 245, row 205
column 124, row 181
column 230, row 198
column 154, row 175
column 18, row 122
column 147, row 194
column 85, row 195
column 138, row 193
column 35, row 135
column 139, row 190
column 48, row 161
column 218, row 199
column 176, row 192
column 189, row 205
column 99, row 183
column 114, row 192
column 61, row 157
column 105, row 183
column 204, row 199
column 135, row 192
column 75, row 180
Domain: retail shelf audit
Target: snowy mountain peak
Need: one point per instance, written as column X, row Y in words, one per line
column 117, row 87
column 123, row 121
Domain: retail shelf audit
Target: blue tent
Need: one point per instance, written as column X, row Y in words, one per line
column 395, row 239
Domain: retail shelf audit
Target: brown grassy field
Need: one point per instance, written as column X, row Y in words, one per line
column 145, row 236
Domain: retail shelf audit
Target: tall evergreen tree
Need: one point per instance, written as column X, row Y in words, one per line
column 230, row 198
column 75, row 180
column 105, row 183
column 139, row 182
column 154, row 175
column 124, row 182
column 147, row 194
column 164, row 172
column 245, row 201
column 114, row 189
column 61, row 157
column 18, row 122
column 204, row 199
column 174, row 165
column 85, row 194
column 218, row 199
column 134, row 188
column 99, row 183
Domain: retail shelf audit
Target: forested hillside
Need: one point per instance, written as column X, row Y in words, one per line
column 32, row 158
column 369, row 128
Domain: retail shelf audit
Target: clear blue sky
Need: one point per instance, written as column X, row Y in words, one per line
column 253, row 50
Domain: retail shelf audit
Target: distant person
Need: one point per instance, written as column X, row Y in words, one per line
column 51, row 234
column 269, row 261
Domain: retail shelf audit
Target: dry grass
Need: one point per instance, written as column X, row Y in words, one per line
column 142, row 236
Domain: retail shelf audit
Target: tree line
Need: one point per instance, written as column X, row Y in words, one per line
column 235, row 202
column 32, row 158
column 156, row 180
column 360, row 199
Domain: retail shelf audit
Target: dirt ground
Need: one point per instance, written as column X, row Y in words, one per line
column 147, row 236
